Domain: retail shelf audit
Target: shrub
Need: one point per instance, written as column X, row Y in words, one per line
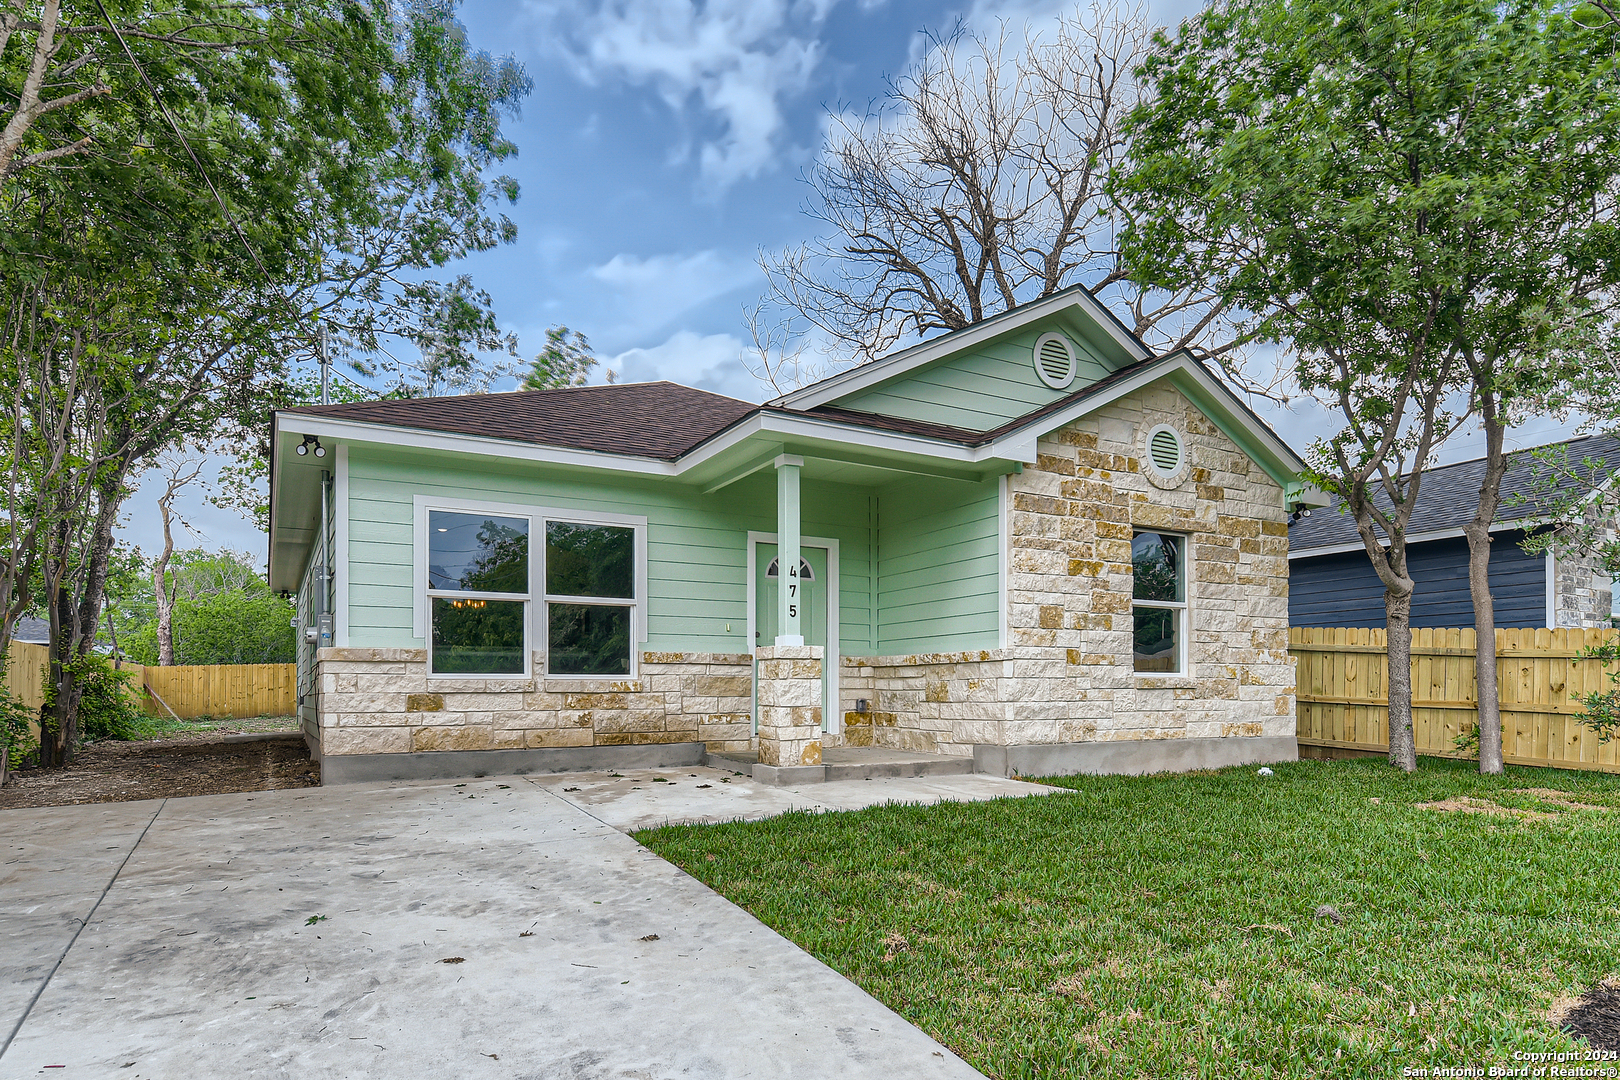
column 108, row 708
column 16, row 726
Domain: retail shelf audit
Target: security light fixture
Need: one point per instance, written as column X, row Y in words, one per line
column 304, row 448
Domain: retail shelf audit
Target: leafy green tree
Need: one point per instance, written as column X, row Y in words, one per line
column 222, row 613
column 1404, row 197
column 566, row 360
column 345, row 152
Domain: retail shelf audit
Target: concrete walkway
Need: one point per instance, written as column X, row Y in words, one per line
column 494, row 928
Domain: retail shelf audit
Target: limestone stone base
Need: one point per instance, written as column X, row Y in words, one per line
column 789, row 695
column 383, row 701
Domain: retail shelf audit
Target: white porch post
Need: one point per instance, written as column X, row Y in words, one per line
column 789, row 622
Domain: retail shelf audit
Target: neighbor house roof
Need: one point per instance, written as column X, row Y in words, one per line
column 1449, row 496
column 659, row 420
column 31, row 630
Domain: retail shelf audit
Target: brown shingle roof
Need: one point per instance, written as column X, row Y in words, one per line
column 657, row 419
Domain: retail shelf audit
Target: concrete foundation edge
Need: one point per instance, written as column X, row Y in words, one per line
column 1134, row 757
column 788, row 775
column 455, row 764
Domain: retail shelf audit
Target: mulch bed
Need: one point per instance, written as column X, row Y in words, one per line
column 111, row 771
column 1596, row 1017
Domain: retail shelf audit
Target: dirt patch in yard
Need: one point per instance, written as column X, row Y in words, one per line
column 1467, row 804
column 1557, row 798
column 195, row 764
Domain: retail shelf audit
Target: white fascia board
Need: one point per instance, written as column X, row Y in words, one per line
column 1024, row 439
column 859, row 378
column 777, row 425
column 808, row 427
column 1415, row 538
column 424, row 439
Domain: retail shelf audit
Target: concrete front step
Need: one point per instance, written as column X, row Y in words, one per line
column 847, row 763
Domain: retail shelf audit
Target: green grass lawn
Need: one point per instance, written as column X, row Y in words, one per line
column 1164, row 926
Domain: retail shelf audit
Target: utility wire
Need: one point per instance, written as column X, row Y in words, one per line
column 119, row 34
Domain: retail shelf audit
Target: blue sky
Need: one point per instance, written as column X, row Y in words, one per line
column 660, row 150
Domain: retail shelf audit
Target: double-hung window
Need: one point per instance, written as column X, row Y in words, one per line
column 1159, row 605
column 478, row 593
column 590, row 598
column 505, row 583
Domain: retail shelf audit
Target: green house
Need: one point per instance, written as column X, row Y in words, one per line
column 1027, row 546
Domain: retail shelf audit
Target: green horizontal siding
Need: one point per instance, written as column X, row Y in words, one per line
column 939, row 567
column 982, row 388
column 697, row 563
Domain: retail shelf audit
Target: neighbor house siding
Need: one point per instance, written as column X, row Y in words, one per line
column 697, row 569
column 939, row 565
column 1342, row 589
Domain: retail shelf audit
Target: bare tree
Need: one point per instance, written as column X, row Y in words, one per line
column 979, row 183
column 778, row 353
column 178, row 472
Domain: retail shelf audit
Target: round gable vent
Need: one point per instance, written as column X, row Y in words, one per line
column 1054, row 361
column 1164, row 450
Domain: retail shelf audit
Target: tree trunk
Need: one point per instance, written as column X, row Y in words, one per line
column 160, row 570
column 1398, row 637
column 1478, row 532
column 73, row 625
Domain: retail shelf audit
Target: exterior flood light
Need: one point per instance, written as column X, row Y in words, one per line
column 303, row 448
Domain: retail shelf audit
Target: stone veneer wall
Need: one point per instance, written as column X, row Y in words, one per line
column 381, row 701
column 789, row 705
column 1067, row 674
column 1582, row 590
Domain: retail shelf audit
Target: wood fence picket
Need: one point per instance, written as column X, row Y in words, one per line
column 1341, row 681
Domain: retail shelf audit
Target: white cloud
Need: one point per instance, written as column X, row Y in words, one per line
column 655, row 290
column 737, row 58
column 707, row 361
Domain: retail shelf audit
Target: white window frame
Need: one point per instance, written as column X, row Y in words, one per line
column 535, row 623
column 1183, row 606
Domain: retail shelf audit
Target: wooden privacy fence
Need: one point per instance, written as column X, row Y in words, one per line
column 221, row 689
column 1342, row 681
column 192, row 690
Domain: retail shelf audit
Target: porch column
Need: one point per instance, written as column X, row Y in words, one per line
column 790, row 625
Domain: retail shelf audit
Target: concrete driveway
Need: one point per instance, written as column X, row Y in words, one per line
column 489, row 929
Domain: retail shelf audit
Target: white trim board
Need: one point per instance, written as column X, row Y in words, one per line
column 1415, row 538
column 1552, row 590
column 340, row 561
column 831, row 718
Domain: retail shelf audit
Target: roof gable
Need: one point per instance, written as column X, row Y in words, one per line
column 984, row 375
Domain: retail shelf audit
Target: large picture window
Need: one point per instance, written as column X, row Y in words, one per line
column 1159, row 605
column 491, row 591
column 478, row 593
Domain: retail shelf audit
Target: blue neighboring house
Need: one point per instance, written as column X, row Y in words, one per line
column 1332, row 583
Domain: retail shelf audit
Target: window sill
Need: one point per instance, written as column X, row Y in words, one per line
column 1145, row 681
column 480, row 684
column 594, row 684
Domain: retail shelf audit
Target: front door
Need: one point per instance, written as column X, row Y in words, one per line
column 812, row 587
